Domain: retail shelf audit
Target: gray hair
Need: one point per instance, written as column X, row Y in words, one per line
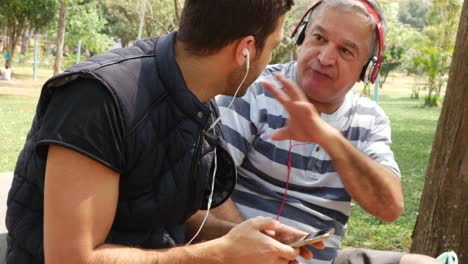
column 358, row 6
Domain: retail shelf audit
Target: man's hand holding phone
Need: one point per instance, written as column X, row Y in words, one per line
column 286, row 235
column 313, row 238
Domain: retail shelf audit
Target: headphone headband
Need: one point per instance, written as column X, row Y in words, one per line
column 376, row 64
column 304, row 16
column 378, row 24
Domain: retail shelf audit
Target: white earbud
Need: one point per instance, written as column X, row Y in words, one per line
column 246, row 53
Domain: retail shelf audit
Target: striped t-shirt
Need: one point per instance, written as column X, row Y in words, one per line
column 316, row 197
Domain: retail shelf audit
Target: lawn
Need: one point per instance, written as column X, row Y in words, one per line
column 16, row 113
column 18, row 99
column 413, row 130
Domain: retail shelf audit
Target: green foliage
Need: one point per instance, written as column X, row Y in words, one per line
column 282, row 53
column 2, row 21
column 443, row 19
column 428, row 61
column 86, row 22
column 391, row 60
column 434, row 64
column 36, row 14
column 287, row 49
column 432, row 101
column 20, row 15
column 399, row 38
column 413, row 13
column 122, row 21
column 430, row 54
column 161, row 17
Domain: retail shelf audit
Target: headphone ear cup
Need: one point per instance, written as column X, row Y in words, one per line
column 368, row 70
column 301, row 36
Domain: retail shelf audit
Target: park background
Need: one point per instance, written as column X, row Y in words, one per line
column 43, row 37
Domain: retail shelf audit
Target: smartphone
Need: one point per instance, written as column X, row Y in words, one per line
column 312, row 238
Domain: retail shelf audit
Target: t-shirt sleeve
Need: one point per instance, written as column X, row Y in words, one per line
column 84, row 117
column 378, row 144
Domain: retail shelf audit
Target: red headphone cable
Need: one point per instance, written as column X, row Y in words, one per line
column 285, row 195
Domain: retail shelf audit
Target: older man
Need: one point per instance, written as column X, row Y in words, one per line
column 311, row 185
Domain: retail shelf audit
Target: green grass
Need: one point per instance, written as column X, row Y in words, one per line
column 16, row 113
column 25, row 72
column 413, row 128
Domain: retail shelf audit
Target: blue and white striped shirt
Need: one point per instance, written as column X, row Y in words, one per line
column 316, row 196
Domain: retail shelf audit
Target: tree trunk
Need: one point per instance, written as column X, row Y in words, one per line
column 15, row 30
column 60, row 37
column 26, row 40
column 176, row 12
column 442, row 223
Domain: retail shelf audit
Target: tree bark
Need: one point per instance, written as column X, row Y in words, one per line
column 26, row 40
column 442, row 223
column 60, row 37
column 176, row 12
column 14, row 32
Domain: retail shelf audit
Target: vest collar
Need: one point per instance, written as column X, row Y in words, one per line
column 170, row 74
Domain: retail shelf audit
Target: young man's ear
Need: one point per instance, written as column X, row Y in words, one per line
column 245, row 50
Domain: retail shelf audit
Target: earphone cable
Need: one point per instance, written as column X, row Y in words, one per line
column 210, row 198
column 233, row 98
column 285, row 194
column 353, row 111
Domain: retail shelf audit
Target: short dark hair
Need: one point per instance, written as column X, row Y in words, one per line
column 207, row 26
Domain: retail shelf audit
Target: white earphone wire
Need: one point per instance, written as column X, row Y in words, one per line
column 247, row 68
column 210, row 198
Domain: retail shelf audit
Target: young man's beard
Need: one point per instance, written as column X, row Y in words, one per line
column 235, row 79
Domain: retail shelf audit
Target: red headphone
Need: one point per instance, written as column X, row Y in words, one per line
column 371, row 69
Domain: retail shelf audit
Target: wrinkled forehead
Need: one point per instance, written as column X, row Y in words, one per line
column 359, row 17
column 344, row 25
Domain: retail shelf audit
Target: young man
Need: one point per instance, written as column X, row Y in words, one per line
column 124, row 148
column 349, row 155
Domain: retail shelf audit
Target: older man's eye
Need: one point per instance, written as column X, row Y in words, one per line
column 346, row 53
column 317, row 37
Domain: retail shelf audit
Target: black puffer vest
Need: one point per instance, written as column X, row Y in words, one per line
column 169, row 153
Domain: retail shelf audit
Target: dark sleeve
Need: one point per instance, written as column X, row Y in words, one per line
column 84, row 117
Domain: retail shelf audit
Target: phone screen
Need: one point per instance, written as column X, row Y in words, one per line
column 314, row 237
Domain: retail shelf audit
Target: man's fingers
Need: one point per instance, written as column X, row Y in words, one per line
column 288, row 252
column 269, row 233
column 281, row 134
column 281, row 96
column 291, row 88
column 305, row 253
column 319, row 245
column 264, row 223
